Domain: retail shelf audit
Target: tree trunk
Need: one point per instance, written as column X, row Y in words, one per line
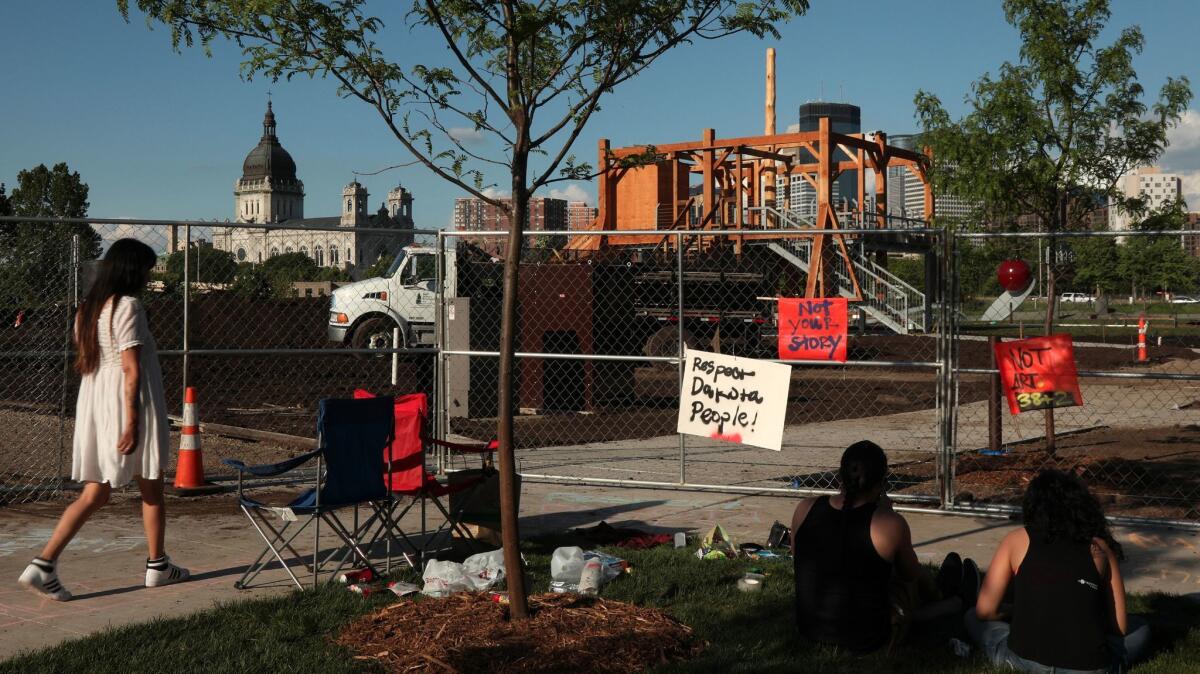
column 1101, row 303
column 509, row 535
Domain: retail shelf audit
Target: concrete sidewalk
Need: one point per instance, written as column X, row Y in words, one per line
column 104, row 566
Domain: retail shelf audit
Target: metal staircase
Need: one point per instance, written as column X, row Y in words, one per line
column 886, row 298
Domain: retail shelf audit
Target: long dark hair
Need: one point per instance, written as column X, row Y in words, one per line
column 124, row 271
column 864, row 466
column 1058, row 506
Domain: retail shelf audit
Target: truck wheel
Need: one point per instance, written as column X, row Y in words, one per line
column 664, row 342
column 375, row 333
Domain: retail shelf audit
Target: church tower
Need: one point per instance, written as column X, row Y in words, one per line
column 399, row 206
column 268, row 190
column 354, row 205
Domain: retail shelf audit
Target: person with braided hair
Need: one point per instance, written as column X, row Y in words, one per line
column 858, row 580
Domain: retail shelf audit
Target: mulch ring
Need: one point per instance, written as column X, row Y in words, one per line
column 468, row 632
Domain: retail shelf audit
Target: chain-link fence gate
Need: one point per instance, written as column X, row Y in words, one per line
column 602, row 325
column 1136, row 439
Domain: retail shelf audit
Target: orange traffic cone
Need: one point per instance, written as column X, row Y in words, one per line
column 1141, row 347
column 189, row 469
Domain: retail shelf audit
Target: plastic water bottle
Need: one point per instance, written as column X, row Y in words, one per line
column 589, row 580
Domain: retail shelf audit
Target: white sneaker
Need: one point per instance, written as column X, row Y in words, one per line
column 45, row 583
column 162, row 572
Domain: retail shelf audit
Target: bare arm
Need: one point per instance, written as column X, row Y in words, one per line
column 907, row 566
column 133, row 373
column 999, row 575
column 1118, row 618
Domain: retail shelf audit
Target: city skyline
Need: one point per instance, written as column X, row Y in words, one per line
column 164, row 133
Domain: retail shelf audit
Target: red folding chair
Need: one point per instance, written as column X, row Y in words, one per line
column 410, row 482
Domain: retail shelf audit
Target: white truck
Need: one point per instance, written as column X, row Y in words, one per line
column 366, row 314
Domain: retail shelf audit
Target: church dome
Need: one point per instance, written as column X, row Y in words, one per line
column 268, row 159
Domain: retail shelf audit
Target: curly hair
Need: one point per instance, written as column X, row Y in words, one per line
column 863, row 468
column 1058, row 506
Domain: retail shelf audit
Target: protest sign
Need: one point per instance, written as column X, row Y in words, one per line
column 1039, row 373
column 812, row 329
column 740, row 400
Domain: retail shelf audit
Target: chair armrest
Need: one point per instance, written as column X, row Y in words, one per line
column 271, row 469
column 487, row 448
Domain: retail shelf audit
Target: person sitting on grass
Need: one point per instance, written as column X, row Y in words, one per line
column 1068, row 610
column 121, row 428
column 858, row 580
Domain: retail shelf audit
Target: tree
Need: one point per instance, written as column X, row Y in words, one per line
column 380, row 268
column 207, row 265
column 1053, row 131
column 35, row 257
column 1159, row 262
column 526, row 75
column 1098, row 267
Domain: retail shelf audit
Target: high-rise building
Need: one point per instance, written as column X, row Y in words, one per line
column 580, row 215
column 906, row 194
column 1150, row 183
column 796, row 192
column 472, row 214
column 1191, row 242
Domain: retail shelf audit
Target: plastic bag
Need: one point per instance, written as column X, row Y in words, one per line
column 717, row 545
column 444, row 578
column 485, row 569
column 612, row 566
column 566, row 565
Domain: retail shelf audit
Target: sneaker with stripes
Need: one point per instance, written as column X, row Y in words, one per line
column 41, row 576
column 161, row 572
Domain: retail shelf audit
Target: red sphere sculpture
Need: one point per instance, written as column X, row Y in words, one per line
column 1013, row 275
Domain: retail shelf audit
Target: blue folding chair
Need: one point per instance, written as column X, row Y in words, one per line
column 353, row 437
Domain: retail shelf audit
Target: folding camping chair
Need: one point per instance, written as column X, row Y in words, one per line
column 350, row 469
column 408, row 478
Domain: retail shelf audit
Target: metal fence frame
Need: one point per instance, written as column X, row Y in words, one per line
column 944, row 364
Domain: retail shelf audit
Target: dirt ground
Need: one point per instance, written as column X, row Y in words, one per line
column 1141, row 473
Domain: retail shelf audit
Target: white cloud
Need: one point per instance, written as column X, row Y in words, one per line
column 467, row 135
column 1183, row 156
column 571, row 192
column 494, row 192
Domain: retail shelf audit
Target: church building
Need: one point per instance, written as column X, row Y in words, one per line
column 269, row 192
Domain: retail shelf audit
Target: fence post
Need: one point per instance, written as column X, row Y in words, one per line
column 187, row 254
column 948, row 290
column 440, row 395
column 73, row 297
column 679, row 324
column 995, row 420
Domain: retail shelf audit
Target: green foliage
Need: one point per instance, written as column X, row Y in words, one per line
column 1158, row 263
column 380, row 268
column 35, row 257
column 1051, row 135
column 1097, row 264
column 207, row 265
column 252, row 282
column 911, row 270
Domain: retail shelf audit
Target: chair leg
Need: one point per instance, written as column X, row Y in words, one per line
column 277, row 535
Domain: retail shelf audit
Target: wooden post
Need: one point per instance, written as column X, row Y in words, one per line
column 708, row 158
column 995, row 412
column 768, row 185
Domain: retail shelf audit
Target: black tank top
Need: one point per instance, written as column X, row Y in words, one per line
column 1059, row 608
column 841, row 581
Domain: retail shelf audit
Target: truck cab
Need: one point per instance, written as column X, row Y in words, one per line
column 368, row 313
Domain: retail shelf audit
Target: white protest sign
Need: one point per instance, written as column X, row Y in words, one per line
column 740, row 400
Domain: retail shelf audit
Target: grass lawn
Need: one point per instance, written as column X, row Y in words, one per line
column 746, row 632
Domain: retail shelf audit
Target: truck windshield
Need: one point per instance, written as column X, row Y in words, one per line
column 396, row 263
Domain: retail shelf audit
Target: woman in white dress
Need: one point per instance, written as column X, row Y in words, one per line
column 121, row 428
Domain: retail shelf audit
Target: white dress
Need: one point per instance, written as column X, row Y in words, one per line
column 100, row 411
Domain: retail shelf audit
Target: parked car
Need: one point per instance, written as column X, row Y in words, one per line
column 1184, row 299
column 1076, row 297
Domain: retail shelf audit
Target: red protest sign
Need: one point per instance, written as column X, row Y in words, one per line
column 812, row 329
column 1039, row 373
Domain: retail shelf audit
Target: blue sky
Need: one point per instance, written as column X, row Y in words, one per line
column 162, row 135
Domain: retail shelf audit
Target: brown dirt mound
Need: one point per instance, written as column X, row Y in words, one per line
column 566, row 633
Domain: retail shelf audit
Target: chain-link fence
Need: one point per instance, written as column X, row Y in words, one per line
column 602, row 325
column 1136, row 438
column 264, row 320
